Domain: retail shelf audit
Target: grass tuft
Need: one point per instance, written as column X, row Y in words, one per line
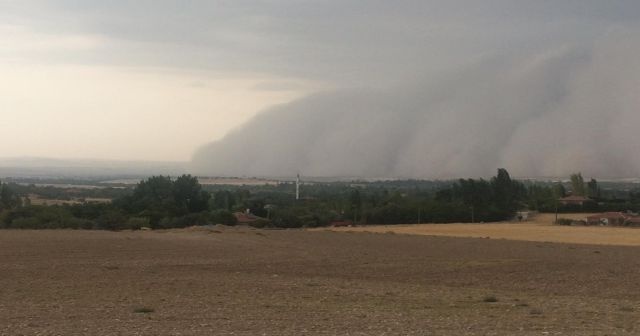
column 143, row 310
column 490, row 299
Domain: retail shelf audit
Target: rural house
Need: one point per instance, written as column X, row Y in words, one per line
column 614, row 219
column 345, row 223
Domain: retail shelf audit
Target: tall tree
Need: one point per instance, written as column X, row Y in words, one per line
column 593, row 188
column 559, row 190
column 188, row 194
column 8, row 198
column 577, row 185
column 503, row 190
column 355, row 201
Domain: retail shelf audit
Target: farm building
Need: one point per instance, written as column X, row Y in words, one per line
column 614, row 219
column 345, row 223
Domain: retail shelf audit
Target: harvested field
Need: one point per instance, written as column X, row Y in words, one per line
column 540, row 229
column 224, row 281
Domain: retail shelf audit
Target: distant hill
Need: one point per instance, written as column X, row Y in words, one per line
column 84, row 168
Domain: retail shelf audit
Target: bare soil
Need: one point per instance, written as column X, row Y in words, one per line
column 239, row 281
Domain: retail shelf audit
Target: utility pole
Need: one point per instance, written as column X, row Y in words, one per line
column 298, row 187
column 473, row 215
column 419, row 215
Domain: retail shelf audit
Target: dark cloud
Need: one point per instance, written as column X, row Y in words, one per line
column 348, row 43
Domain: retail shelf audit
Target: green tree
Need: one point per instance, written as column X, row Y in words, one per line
column 355, row 203
column 559, row 190
column 223, row 199
column 593, row 189
column 505, row 192
column 8, row 198
column 160, row 197
column 577, row 185
column 189, row 196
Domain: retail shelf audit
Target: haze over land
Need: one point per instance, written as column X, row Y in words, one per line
column 414, row 88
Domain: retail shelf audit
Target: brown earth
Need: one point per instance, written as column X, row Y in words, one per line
column 238, row 281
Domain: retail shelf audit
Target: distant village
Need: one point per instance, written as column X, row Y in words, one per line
column 612, row 218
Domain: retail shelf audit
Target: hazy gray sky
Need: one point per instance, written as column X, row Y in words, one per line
column 158, row 79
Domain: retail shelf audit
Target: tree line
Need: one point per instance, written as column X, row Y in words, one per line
column 162, row 202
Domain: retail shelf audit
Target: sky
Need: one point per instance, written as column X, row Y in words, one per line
column 375, row 88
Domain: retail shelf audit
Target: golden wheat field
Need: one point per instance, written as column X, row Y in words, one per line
column 540, row 229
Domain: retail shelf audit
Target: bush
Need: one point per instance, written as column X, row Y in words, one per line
column 80, row 224
column 223, row 217
column 490, row 299
column 137, row 223
column 564, row 221
column 37, row 217
column 194, row 219
column 144, row 310
column 27, row 223
column 112, row 220
column 261, row 224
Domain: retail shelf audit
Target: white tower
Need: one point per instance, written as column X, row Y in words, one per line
column 298, row 187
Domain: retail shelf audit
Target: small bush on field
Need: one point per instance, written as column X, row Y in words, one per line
column 193, row 219
column 260, row 224
column 564, row 221
column 224, row 217
column 137, row 223
column 144, row 310
column 490, row 299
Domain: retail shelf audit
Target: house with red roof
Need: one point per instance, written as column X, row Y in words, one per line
column 614, row 219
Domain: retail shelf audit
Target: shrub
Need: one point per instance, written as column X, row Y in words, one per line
column 490, row 299
column 223, row 217
column 143, row 310
column 194, row 219
column 137, row 223
column 260, row 224
column 564, row 221
column 112, row 220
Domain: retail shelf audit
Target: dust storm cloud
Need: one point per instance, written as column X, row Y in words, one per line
column 547, row 113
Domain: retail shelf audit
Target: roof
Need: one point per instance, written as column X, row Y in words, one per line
column 244, row 218
column 617, row 213
column 609, row 215
column 341, row 223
